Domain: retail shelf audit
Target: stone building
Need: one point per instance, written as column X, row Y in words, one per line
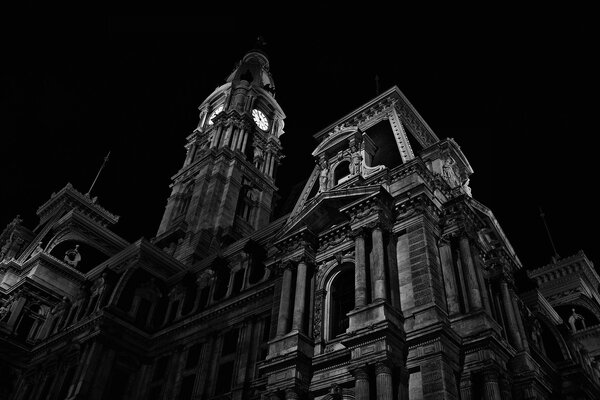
column 385, row 280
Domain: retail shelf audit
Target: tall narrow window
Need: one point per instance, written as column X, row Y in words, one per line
column 342, row 301
column 226, row 362
column 186, row 198
column 246, row 200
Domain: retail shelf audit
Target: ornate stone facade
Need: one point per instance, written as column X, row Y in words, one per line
column 387, row 279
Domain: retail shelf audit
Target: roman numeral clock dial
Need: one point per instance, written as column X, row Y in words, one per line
column 260, row 119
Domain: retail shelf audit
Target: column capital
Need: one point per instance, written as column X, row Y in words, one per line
column 383, row 367
column 361, row 232
column 490, row 375
column 303, row 259
column 287, row 264
column 361, row 372
column 378, row 224
column 292, row 394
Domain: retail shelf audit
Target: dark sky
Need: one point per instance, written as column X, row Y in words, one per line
column 516, row 93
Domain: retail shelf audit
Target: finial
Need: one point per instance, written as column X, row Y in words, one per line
column 260, row 42
column 555, row 257
column 97, row 175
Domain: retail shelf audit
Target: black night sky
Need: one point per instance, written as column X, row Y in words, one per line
column 516, row 93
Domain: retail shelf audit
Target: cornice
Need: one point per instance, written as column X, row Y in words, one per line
column 212, row 313
column 72, row 199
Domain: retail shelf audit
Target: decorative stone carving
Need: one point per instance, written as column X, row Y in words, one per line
column 450, row 172
column 573, row 320
column 7, row 238
column 323, row 175
column 318, row 312
column 72, row 256
column 37, row 250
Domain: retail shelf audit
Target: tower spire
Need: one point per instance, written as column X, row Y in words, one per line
column 555, row 257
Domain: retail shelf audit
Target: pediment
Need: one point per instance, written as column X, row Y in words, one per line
column 335, row 138
column 323, row 211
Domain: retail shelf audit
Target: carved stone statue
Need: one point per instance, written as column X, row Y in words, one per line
column 467, row 188
column 574, row 318
column 7, row 238
column 323, row 176
column 449, row 172
column 356, row 167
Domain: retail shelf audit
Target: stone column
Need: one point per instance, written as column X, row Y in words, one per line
column 378, row 278
column 244, row 142
column 292, row 394
column 520, row 323
column 361, row 384
column 284, row 302
column 205, row 367
column 472, row 282
column 360, row 270
column 481, row 279
column 98, row 384
column 403, row 376
column 491, row 388
column 449, row 278
column 227, row 137
column 513, row 329
column 383, row 380
column 300, row 298
column 244, row 342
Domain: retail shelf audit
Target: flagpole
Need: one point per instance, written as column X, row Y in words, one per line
column 98, row 174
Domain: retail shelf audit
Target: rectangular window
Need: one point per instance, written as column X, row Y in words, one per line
column 160, row 369
column 264, row 340
column 224, row 378
column 187, row 387
column 142, row 313
column 229, row 342
column 64, row 389
column 193, row 356
column 173, row 311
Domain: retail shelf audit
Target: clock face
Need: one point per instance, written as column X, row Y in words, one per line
column 215, row 112
column 260, row 119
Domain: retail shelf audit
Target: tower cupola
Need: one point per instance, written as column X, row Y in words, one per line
column 224, row 191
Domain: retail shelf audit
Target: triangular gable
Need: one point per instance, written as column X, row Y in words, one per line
column 330, row 201
column 312, row 180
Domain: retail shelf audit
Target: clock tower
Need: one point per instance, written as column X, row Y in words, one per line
column 225, row 189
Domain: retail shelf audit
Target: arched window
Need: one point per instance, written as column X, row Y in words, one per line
column 341, row 300
column 222, row 283
column 341, row 172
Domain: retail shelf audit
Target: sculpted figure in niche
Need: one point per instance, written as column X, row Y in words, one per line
column 258, row 156
column 576, row 320
column 467, row 188
column 356, row 167
column 449, row 172
column 323, row 178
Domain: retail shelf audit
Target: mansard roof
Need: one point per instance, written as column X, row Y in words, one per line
column 407, row 113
